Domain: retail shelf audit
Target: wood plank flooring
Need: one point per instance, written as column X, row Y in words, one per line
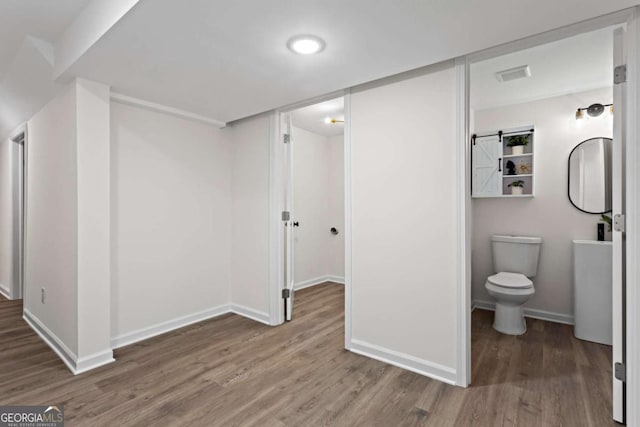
column 233, row 371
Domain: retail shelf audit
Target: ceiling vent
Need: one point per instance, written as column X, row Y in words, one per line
column 513, row 73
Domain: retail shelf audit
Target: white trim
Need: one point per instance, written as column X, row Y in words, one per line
column 180, row 322
column 611, row 19
column 405, row 361
column 276, row 238
column 463, row 234
column 19, row 130
column 68, row 357
column 533, row 313
column 5, row 292
column 160, row 108
column 633, row 223
column 93, row 361
column 250, row 313
column 348, row 224
column 312, row 101
column 318, row 281
column 76, row 365
column 168, row 326
column 335, row 279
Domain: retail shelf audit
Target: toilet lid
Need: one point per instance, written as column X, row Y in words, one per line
column 511, row 280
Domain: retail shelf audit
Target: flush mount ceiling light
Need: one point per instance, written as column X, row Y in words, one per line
column 306, row 44
column 593, row 110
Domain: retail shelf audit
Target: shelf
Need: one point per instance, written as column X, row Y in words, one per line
column 490, row 156
column 524, row 175
column 517, row 155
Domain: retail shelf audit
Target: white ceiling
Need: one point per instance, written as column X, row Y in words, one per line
column 311, row 118
column 44, row 19
column 227, row 59
column 567, row 66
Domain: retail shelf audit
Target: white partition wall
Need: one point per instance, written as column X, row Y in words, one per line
column 250, row 222
column 67, row 296
column 403, row 206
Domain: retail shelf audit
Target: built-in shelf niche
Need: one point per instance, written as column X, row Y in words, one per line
column 495, row 164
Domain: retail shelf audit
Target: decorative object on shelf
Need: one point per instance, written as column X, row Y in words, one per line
column 606, row 219
column 593, row 110
column 524, row 168
column 511, row 168
column 517, row 143
column 516, row 187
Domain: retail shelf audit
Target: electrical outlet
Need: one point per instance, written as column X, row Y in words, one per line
column 43, row 294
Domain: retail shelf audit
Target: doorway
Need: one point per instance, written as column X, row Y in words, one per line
column 530, row 110
column 14, row 202
column 313, row 195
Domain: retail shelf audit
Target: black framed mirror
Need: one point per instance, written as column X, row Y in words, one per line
column 589, row 186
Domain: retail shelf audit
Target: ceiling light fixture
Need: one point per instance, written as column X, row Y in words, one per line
column 593, row 110
column 329, row 120
column 306, row 44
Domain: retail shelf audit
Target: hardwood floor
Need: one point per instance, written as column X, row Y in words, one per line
column 234, row 371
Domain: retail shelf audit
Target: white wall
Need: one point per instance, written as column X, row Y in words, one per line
column 171, row 220
column 318, row 206
column 6, row 216
column 403, row 173
column 93, row 198
column 52, row 219
column 67, row 223
column 250, row 216
column 549, row 214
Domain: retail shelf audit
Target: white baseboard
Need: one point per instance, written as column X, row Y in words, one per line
column 405, row 361
column 76, row 365
column 180, row 322
column 335, row 279
column 168, row 326
column 258, row 316
column 5, row 292
column 318, row 280
column 533, row 313
column 93, row 361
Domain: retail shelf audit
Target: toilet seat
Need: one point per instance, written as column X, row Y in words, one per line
column 510, row 280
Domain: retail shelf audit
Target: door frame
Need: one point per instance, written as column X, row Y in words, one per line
column 17, row 290
column 628, row 17
column 276, row 206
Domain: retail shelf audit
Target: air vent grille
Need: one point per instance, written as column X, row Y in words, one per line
column 513, row 73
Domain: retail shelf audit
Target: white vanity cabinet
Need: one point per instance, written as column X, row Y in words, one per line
column 497, row 167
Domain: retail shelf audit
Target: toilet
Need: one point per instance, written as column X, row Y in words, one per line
column 515, row 261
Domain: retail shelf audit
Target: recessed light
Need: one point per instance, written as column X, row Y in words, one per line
column 305, row 44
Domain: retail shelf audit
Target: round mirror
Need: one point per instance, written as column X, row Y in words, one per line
column 590, row 176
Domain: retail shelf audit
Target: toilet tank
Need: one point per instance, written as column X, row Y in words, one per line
column 516, row 254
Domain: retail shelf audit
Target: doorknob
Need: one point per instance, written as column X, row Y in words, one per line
column 296, row 224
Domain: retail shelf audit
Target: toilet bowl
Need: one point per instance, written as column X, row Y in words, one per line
column 511, row 291
column 515, row 260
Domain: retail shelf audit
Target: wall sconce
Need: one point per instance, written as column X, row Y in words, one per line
column 329, row 121
column 593, row 110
